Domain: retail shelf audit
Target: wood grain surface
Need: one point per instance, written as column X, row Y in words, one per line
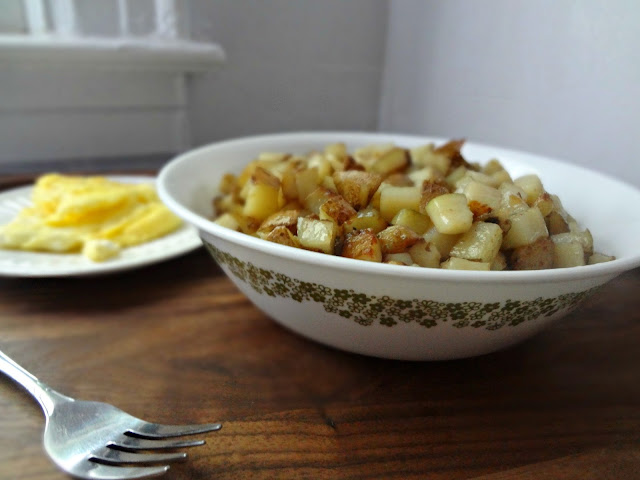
column 176, row 342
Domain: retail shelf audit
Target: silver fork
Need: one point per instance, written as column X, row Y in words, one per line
column 95, row 440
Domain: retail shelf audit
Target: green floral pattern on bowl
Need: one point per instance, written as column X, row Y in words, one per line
column 368, row 309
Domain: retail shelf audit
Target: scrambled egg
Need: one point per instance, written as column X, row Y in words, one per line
column 92, row 215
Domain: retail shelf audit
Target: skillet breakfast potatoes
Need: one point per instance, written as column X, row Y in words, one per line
column 426, row 206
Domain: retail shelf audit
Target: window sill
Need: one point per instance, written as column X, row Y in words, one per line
column 129, row 54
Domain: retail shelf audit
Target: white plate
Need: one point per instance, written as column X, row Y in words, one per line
column 36, row 264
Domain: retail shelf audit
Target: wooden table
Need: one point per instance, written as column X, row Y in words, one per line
column 177, row 343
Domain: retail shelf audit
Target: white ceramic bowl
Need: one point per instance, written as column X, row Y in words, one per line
column 401, row 312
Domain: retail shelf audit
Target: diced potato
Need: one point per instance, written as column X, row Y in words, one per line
column 307, row 181
column 391, row 161
column 336, row 209
column 317, row 235
column 481, row 242
column 393, row 199
column 398, row 259
column 483, row 194
column 397, row 239
column 599, row 258
column 556, row 223
column 526, row 228
column 288, row 184
column 583, row 237
column 399, row 180
column 532, row 186
column 229, row 221
column 425, row 156
column 493, row 166
column 329, row 184
column 321, row 164
column 426, row 174
column 425, row 254
column 362, row 245
column 544, row 204
column 499, row 263
column 262, row 176
column 537, row 256
column 456, row 175
column 568, row 255
column 262, row 201
column 337, row 149
column 317, row 198
column 417, row 222
column 367, row 156
column 431, row 190
column 443, row 242
column 283, row 218
column 356, row 186
column 367, row 219
column 450, row 213
column 228, row 184
column 500, row 177
column 455, row 263
column 478, row 177
column 283, row 236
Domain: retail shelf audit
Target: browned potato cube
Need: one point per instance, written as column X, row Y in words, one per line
column 337, row 209
column 367, row 219
column 316, row 199
column 430, row 190
column 283, row 236
column 283, row 218
column 397, row 239
column 556, row 223
column 362, row 245
column 356, row 186
column 536, row 256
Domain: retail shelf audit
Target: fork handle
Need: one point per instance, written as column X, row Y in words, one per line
column 46, row 396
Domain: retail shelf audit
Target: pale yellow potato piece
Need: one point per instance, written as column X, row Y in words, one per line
column 599, row 258
column 425, row 254
column 398, row 259
column 228, row 220
column 391, row 161
column 417, row 222
column 568, row 255
column 262, row 201
column 532, row 186
column 481, row 243
column 455, row 263
column 425, row 156
column 450, row 213
column 367, row 218
column 393, row 199
column 483, row 194
column 317, row 235
column 526, row 228
column 443, row 242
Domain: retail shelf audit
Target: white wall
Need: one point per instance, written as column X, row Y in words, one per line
column 292, row 65
column 556, row 77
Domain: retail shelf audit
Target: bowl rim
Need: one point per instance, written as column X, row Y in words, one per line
column 610, row 269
